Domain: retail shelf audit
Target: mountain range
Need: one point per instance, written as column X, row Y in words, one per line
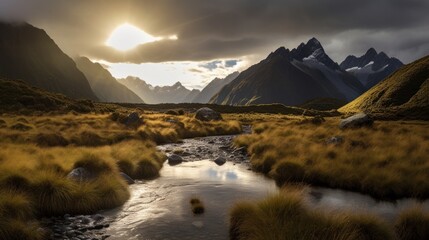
column 306, row 73
column 30, row 55
column 291, row 77
column 403, row 94
column 371, row 68
column 104, row 85
column 176, row 93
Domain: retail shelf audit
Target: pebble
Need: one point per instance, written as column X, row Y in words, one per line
column 77, row 227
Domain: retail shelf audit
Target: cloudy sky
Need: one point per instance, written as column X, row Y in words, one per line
column 193, row 41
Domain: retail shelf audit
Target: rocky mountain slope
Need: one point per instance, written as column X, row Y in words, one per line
column 104, row 85
column 214, row 87
column 29, row 54
column 371, row 68
column 291, row 77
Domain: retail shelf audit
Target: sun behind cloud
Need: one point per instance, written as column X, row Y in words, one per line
column 126, row 37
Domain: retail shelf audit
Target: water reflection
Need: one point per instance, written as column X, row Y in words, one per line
column 160, row 209
column 339, row 200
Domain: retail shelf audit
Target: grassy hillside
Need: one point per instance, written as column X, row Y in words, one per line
column 404, row 94
column 18, row 96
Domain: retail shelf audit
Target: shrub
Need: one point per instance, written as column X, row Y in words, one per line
column 172, row 112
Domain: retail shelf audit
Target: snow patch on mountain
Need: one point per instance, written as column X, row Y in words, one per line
column 334, row 77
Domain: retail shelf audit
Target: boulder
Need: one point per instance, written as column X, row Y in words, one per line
column 220, row 161
column 207, row 114
column 174, row 159
column 356, row 121
column 127, row 178
column 80, row 174
column 336, row 140
column 133, row 120
column 317, row 120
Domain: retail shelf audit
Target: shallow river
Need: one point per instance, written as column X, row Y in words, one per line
column 160, row 208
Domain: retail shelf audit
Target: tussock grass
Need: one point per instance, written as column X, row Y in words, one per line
column 387, row 161
column 164, row 129
column 413, row 224
column 285, row 216
column 14, row 229
column 94, row 164
column 197, row 206
column 95, row 130
column 144, row 162
column 38, row 151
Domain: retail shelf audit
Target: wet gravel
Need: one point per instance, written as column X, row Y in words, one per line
column 80, row 227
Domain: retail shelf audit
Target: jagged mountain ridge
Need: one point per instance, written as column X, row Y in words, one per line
column 291, row 77
column 30, row 55
column 176, row 93
column 372, row 67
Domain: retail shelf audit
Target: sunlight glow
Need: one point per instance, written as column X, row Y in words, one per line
column 127, row 37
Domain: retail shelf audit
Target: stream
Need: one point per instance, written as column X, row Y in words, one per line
column 160, row 208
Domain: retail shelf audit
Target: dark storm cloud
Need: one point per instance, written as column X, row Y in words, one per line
column 228, row 29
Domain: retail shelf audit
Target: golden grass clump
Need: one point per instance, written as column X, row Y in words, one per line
column 16, row 214
column 197, row 206
column 15, row 229
column 387, row 161
column 285, row 216
column 139, row 161
column 413, row 224
column 95, row 130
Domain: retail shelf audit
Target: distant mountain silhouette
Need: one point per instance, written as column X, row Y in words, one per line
column 104, row 85
column 191, row 96
column 214, row 87
column 372, row 67
column 176, row 93
column 29, row 54
column 404, row 94
column 292, row 78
